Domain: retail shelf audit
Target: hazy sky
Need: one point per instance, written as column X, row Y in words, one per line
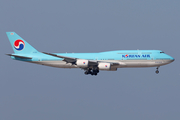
column 34, row 92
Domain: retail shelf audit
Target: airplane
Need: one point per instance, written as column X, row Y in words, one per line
column 91, row 63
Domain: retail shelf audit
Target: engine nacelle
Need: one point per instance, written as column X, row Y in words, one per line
column 104, row 66
column 82, row 63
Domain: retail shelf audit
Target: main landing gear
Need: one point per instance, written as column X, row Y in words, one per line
column 157, row 71
column 91, row 71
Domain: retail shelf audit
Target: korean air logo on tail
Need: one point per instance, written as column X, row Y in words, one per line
column 19, row 45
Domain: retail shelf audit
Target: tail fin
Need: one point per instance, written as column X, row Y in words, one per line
column 19, row 45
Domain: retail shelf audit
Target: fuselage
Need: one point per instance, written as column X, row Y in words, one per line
column 125, row 58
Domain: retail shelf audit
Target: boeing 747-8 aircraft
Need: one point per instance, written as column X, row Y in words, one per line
column 90, row 62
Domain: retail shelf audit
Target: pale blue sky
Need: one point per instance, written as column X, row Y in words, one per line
column 35, row 92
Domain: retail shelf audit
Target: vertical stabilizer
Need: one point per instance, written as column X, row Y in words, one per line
column 19, row 45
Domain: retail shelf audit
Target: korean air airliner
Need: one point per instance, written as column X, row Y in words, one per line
column 91, row 63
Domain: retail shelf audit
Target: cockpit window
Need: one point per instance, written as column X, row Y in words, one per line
column 162, row 52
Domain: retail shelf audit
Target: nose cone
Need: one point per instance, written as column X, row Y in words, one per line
column 171, row 58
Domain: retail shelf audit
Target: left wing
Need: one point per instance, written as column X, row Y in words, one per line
column 73, row 60
column 70, row 59
column 66, row 59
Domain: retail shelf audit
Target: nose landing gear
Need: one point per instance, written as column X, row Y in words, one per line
column 157, row 71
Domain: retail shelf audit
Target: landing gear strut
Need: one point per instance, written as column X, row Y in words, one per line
column 91, row 71
column 157, row 71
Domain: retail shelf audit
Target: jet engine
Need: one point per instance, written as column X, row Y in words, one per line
column 104, row 66
column 82, row 63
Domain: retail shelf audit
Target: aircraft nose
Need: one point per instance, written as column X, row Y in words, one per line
column 172, row 59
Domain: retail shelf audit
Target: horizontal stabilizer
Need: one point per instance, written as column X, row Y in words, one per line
column 23, row 57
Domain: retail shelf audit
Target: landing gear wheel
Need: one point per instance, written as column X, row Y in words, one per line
column 91, row 71
column 157, row 71
column 86, row 72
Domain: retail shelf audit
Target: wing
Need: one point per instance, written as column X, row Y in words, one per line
column 73, row 60
column 66, row 59
column 70, row 59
